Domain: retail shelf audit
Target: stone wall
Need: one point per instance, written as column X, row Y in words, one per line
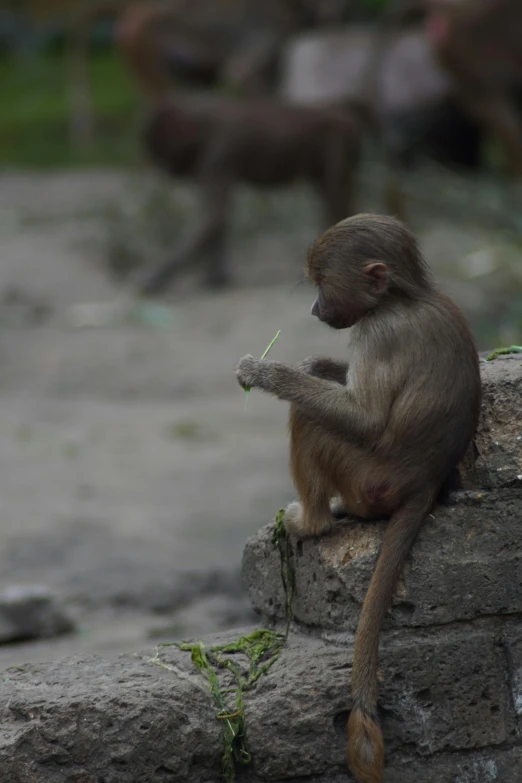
column 451, row 656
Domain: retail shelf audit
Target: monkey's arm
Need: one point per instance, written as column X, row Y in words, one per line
column 327, row 369
column 326, row 401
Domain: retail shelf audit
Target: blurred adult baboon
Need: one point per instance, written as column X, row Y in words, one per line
column 220, row 142
column 479, row 42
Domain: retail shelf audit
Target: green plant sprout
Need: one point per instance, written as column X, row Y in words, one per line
column 262, row 648
column 247, row 390
column 504, row 351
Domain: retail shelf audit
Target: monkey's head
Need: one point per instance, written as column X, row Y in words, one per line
column 361, row 262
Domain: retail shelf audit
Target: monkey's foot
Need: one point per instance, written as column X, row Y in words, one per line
column 293, row 518
column 338, row 510
column 296, row 522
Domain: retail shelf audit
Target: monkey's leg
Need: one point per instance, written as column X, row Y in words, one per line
column 216, row 191
column 154, row 281
column 338, row 509
column 391, row 143
column 332, row 370
column 205, row 246
column 311, row 516
column 207, row 236
column 308, row 517
column 394, row 198
column 337, row 191
column 214, row 257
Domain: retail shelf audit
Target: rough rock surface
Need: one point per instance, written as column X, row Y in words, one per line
column 87, row 720
column 451, row 658
column 466, row 564
column 499, row 437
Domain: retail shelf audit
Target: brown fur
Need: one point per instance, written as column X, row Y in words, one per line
column 221, row 142
column 383, row 432
column 478, row 43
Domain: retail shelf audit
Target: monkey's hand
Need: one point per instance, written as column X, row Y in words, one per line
column 327, row 401
column 252, row 372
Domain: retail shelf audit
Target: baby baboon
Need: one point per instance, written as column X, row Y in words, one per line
column 381, row 432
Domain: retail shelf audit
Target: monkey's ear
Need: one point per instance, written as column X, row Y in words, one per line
column 377, row 274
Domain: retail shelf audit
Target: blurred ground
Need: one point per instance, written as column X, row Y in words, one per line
column 130, row 472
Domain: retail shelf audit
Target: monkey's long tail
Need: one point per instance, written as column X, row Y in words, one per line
column 365, row 741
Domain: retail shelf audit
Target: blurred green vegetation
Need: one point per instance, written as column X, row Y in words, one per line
column 34, row 130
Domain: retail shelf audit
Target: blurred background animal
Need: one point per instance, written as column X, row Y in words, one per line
column 221, row 143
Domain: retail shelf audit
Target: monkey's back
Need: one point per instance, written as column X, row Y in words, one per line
column 260, row 142
column 273, row 143
column 436, row 399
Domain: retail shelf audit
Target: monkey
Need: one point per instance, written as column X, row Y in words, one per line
column 478, row 44
column 221, row 141
column 379, row 434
